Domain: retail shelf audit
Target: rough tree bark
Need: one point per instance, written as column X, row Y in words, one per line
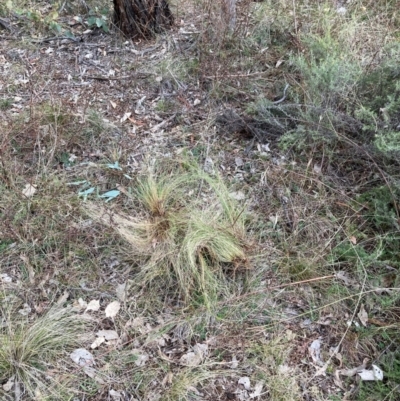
column 142, row 18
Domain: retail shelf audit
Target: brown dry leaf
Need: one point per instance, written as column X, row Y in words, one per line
column 363, row 316
column 136, row 122
column 112, row 309
column 113, row 104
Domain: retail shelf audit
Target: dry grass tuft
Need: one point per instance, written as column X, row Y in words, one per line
column 30, row 352
column 186, row 230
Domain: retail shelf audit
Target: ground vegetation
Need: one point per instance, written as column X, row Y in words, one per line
column 210, row 212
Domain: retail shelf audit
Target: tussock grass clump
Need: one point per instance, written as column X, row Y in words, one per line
column 29, row 350
column 186, row 231
column 184, row 383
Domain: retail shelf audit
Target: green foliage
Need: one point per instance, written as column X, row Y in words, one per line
column 354, row 255
column 381, row 82
column 379, row 94
column 381, row 246
column 388, row 142
column 5, row 104
column 99, row 19
column 5, row 8
column 329, row 74
column 383, row 219
column 164, row 106
column 4, row 243
column 339, row 94
column 301, row 138
column 381, row 207
column 39, row 21
column 49, row 21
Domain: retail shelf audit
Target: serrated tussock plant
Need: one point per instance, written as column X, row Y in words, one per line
column 186, row 232
column 28, row 350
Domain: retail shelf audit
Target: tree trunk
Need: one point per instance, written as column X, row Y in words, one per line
column 228, row 11
column 142, row 18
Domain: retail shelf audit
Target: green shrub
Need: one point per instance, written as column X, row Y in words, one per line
column 329, row 73
column 381, row 207
column 379, row 97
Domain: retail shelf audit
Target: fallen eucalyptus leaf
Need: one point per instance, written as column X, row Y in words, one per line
column 112, row 309
column 121, row 291
column 315, row 352
column 257, row 390
column 235, row 363
column 93, row 305
column 82, row 357
column 115, row 395
column 110, row 195
column 245, row 381
column 29, row 190
column 141, row 357
column 363, row 316
column 5, row 278
column 108, row 334
column 97, row 342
